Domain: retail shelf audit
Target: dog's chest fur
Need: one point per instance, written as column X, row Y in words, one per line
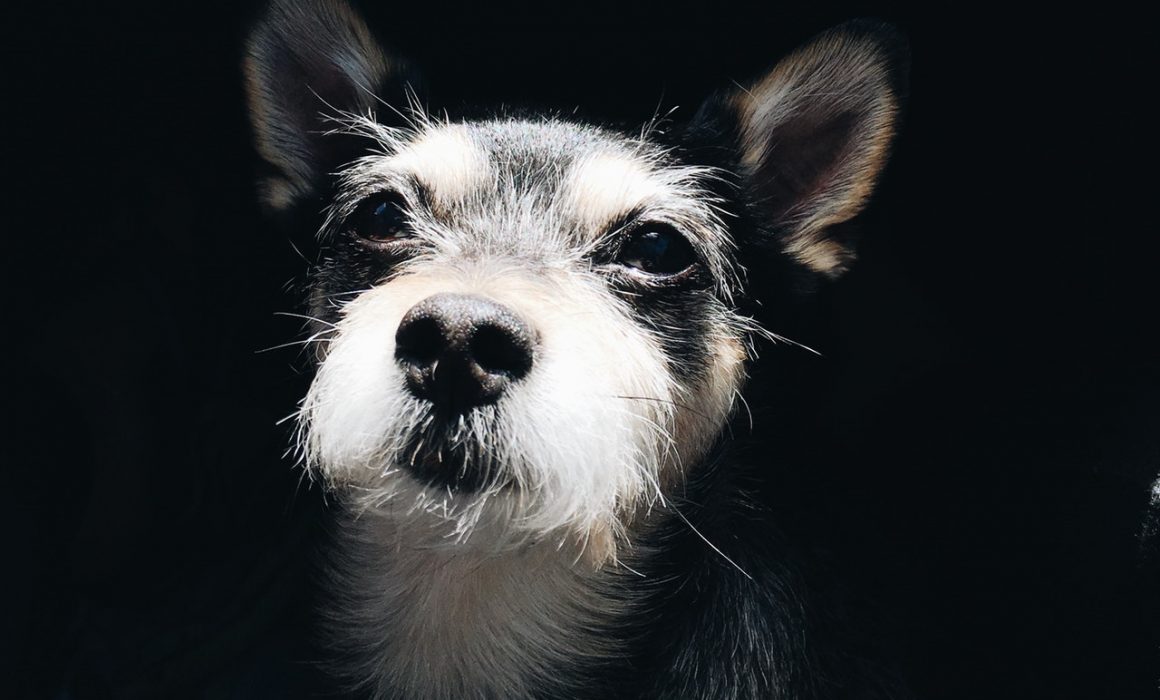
column 431, row 621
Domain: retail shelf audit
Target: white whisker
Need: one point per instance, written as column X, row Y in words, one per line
column 712, row 546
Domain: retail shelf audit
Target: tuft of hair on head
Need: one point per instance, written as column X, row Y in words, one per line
column 307, row 64
column 813, row 136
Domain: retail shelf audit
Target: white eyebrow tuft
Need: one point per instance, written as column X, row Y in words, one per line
column 606, row 186
column 445, row 159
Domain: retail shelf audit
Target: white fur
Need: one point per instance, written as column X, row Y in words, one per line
column 445, row 159
column 426, row 621
column 583, row 449
column 608, row 185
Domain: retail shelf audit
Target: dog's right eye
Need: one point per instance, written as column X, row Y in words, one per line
column 379, row 219
column 657, row 249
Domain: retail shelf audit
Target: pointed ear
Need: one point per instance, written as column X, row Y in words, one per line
column 814, row 134
column 305, row 60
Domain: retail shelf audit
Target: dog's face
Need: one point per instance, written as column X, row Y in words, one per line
column 506, row 297
column 529, row 327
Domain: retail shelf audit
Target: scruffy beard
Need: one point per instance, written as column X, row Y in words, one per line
column 499, row 476
column 455, row 451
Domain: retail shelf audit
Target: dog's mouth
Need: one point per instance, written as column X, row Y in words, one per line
column 449, row 450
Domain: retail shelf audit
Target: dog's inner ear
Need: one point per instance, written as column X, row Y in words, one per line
column 306, row 61
column 814, row 135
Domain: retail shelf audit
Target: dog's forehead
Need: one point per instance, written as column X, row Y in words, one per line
column 589, row 175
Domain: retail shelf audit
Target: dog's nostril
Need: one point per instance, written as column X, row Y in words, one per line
column 499, row 349
column 419, row 340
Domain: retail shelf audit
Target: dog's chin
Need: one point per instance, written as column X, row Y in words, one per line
column 494, row 521
column 465, row 481
column 444, row 461
column 444, row 504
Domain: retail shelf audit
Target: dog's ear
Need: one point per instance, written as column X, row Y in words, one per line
column 813, row 135
column 305, row 61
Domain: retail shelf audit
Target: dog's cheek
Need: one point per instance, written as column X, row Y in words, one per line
column 705, row 406
column 345, row 413
column 590, row 426
column 704, row 351
column 358, row 413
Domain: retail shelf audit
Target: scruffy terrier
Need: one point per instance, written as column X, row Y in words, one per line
column 532, row 336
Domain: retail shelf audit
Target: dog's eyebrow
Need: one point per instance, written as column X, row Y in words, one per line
column 445, row 160
column 605, row 187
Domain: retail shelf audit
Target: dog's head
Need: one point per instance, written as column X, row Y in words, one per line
column 530, row 327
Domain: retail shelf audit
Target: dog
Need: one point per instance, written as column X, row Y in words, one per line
column 533, row 338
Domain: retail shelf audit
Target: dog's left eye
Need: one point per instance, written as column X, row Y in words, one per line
column 380, row 219
column 657, row 249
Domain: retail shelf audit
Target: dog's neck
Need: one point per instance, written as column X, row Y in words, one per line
column 442, row 621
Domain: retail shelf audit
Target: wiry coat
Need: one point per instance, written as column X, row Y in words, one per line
column 588, row 531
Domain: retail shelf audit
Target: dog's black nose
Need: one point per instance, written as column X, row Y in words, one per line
column 460, row 351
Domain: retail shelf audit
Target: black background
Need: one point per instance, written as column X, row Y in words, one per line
column 989, row 418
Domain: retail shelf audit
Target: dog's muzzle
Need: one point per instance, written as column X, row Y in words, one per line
column 461, row 351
